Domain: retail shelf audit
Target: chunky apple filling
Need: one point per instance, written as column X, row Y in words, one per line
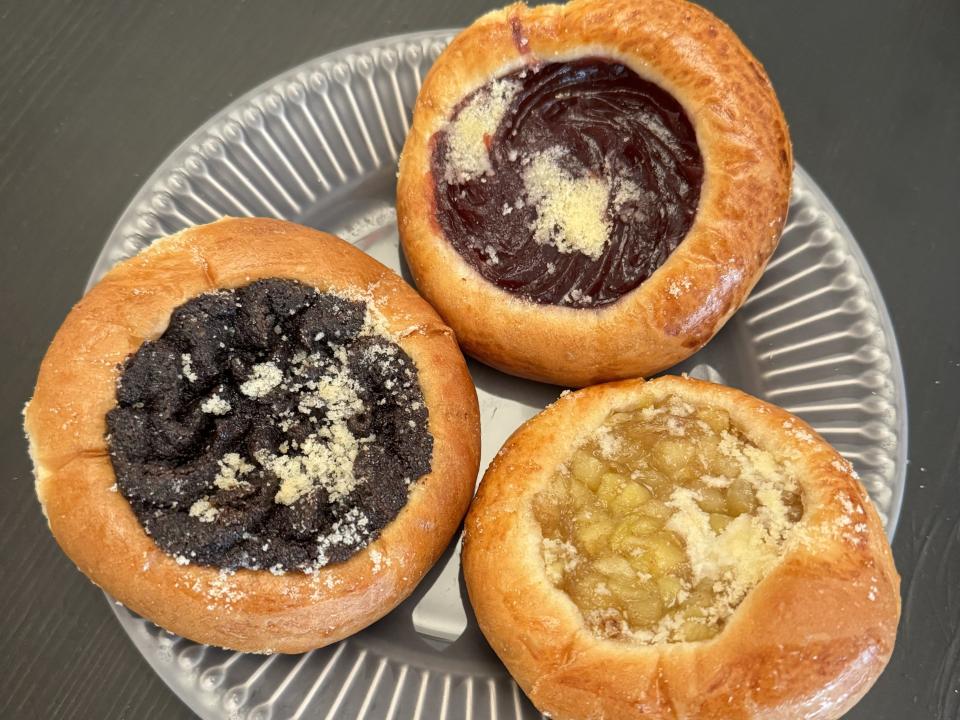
column 663, row 520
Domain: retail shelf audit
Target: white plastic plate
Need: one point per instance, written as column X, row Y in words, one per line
column 318, row 145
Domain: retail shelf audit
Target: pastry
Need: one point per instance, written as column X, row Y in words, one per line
column 605, row 179
column 678, row 549
column 254, row 435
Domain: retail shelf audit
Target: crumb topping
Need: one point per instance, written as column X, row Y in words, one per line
column 231, row 470
column 470, row 131
column 203, row 510
column 571, row 211
column 185, row 364
column 325, row 461
column 215, row 405
column 263, row 378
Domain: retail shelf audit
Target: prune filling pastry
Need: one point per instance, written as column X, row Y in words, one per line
column 678, row 549
column 254, row 435
column 607, row 177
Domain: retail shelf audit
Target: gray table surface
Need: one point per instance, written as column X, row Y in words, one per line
column 93, row 95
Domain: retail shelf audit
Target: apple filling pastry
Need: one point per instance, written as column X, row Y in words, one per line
column 663, row 520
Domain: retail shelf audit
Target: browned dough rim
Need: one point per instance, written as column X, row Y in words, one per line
column 251, row 611
column 743, row 204
column 807, row 642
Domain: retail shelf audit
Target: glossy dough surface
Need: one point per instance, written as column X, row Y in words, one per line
column 807, row 641
column 249, row 610
column 747, row 160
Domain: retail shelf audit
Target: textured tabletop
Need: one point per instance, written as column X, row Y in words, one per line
column 93, row 95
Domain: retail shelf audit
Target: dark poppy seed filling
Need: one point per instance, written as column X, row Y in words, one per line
column 567, row 183
column 270, row 427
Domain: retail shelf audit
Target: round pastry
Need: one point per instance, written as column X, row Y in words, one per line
column 254, row 435
column 606, row 178
column 678, row 549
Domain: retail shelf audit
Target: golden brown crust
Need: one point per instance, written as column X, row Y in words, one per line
column 807, row 642
column 743, row 204
column 252, row 611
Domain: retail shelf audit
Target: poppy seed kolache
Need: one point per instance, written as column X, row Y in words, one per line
column 254, row 435
column 589, row 191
